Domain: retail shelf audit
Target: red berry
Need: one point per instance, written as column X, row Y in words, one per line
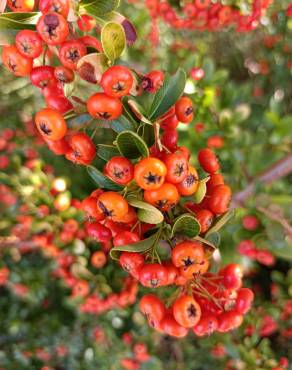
column 99, row 232
column 153, row 275
column 250, row 222
column 86, row 23
column 125, row 237
column 117, row 81
column 229, row 320
column 244, row 300
column 206, row 326
column 231, row 276
column 184, row 110
column 29, row 43
column 208, row 160
column 219, row 200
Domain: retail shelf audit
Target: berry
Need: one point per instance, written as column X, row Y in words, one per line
column 101, row 106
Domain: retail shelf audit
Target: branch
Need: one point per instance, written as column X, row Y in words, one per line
column 278, row 170
column 277, row 218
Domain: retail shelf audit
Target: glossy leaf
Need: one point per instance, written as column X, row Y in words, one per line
column 214, row 238
column 79, row 121
column 113, row 40
column 146, row 212
column 18, row 21
column 122, row 124
column 168, row 94
column 187, row 225
column 201, row 191
column 210, row 243
column 131, row 145
column 140, row 247
column 147, row 133
column 99, row 8
column 220, row 222
column 106, row 152
column 138, row 111
column 101, row 180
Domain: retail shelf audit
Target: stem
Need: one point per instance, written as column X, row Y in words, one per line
column 157, row 139
column 277, row 218
column 154, row 253
column 280, row 169
column 93, row 134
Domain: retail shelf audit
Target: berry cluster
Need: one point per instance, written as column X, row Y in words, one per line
column 163, row 182
column 151, row 210
column 64, row 217
column 55, row 37
column 205, row 15
column 248, row 248
column 216, row 302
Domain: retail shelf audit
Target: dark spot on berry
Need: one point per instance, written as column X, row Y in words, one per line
column 161, row 203
column 118, row 174
column 179, row 169
column 73, row 55
column 188, row 262
column 105, row 211
column 12, row 65
column 77, row 154
column 52, row 22
column 45, row 129
column 189, row 180
column 120, row 86
column 192, row 311
column 152, row 178
column 56, row 7
column 103, row 115
column 147, row 83
column 189, row 111
column 154, row 282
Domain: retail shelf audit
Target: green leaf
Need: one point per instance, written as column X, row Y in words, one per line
column 79, row 121
column 122, row 124
column 220, row 222
column 210, row 243
column 146, row 212
column 131, row 145
column 187, row 225
column 101, row 180
column 168, row 94
column 113, row 40
column 18, row 21
column 106, row 152
column 201, row 191
column 147, row 133
column 137, row 109
column 140, row 247
column 214, row 238
column 99, row 8
column 284, row 253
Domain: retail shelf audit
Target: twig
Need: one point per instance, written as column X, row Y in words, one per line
column 278, row 170
column 277, row 218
